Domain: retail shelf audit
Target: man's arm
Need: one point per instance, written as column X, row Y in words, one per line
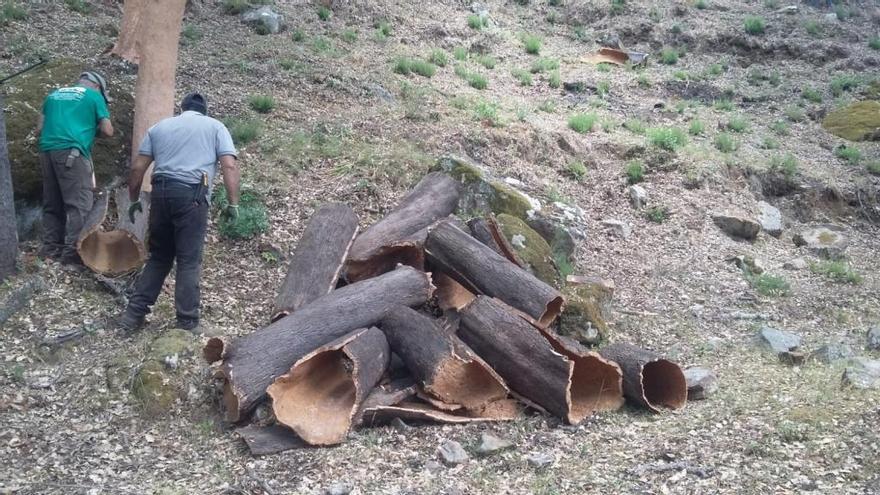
column 231, row 177
column 105, row 127
column 138, row 169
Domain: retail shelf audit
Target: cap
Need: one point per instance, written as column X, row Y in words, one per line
column 195, row 102
column 99, row 80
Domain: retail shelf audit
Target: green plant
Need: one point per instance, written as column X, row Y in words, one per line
column 643, row 81
column 669, row 56
column 547, row 106
column 459, row 53
column 812, row 27
column 190, row 34
column 838, row 271
column 406, row 66
column 243, row 131
column 725, row 143
column 654, row 14
column 786, row 164
column 322, row 44
column 577, row 170
column 580, row 32
column 715, row 70
column 261, row 103
column 769, row 143
column 438, row 57
column 544, row 64
column 811, row 94
column 603, row 88
column 487, row 111
column 636, row 126
column 617, row 7
column 252, row 218
column 474, row 79
column 324, row 13
column 851, row 154
column 700, row 4
column 350, row 35
column 842, row 13
column 667, row 138
column 523, row 76
column 779, row 127
column 635, row 172
column 738, row 123
column 582, row 122
column 532, row 44
column 415, row 99
column 873, row 168
column 845, row 82
column 603, row 67
column 608, row 124
column 874, row 43
column 771, row 4
column 795, row 113
column 476, row 21
column 554, row 80
column 10, row 11
column 486, row 61
column 724, row 104
column 696, row 128
column 80, row 6
column 288, row 64
column 755, row 24
column 235, row 6
column 767, row 284
column 657, row 214
column 297, row 35
column 675, row 29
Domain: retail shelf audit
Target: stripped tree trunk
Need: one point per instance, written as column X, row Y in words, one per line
column 322, row 394
column 486, row 230
column 400, row 236
column 8, row 226
column 481, row 270
column 252, row 362
column 118, row 251
column 126, row 43
column 444, row 367
column 648, row 379
column 318, row 259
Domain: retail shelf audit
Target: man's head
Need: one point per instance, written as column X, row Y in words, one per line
column 195, row 102
column 97, row 82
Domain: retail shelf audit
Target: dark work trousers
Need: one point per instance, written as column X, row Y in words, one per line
column 178, row 220
column 67, row 199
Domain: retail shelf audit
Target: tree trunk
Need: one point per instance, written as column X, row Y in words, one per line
column 252, row 362
column 318, row 259
column 118, row 251
column 400, row 236
column 486, row 230
column 648, row 379
column 126, row 42
column 322, row 394
column 444, row 367
column 483, row 271
column 8, row 226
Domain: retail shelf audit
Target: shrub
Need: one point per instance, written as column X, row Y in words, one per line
column 635, row 172
column 755, row 24
column 488, row 112
column 438, row 57
column 838, row 271
column 768, row 143
column 532, row 44
column 715, row 70
column 324, row 13
column 696, row 128
column 667, row 138
column 545, row 64
column 786, row 164
column 297, row 35
column 9, row 11
column 669, row 56
column 577, row 170
column 779, row 127
column 812, row 27
column 635, row 126
column 383, row 30
column 554, row 79
column 700, row 4
column 725, row 143
column 724, row 104
column 812, row 95
column 523, row 76
column 252, row 218
column 767, row 284
column 235, row 6
column 849, row 153
column 657, row 214
column 81, row 6
column 349, row 35
column 406, row 66
column 261, row 103
column 845, row 82
column 243, row 131
column 459, row 53
column 795, row 113
column 738, row 124
column 874, row 43
column 476, row 21
column 582, row 122
column 873, row 168
column 486, row 61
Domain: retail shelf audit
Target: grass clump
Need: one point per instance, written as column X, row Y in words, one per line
column 406, row 66
column 873, row 168
column 10, row 11
column 476, row 21
column 700, row 5
column 779, row 127
column 532, row 44
column 851, row 154
column 657, row 214
column 617, row 7
column 298, row 35
column 349, row 35
column 523, row 76
column 636, row 126
column 669, row 56
column 486, row 61
column 755, row 24
column 460, row 53
column 738, row 124
column 554, row 80
column 724, row 104
column 190, row 34
column 582, row 122
column 324, row 13
column 243, row 131
column 80, row 6
column 667, row 138
column 769, row 143
column 603, row 88
column 261, row 103
column 635, row 172
column 643, row 81
column 813, row 28
column 544, row 64
column 696, row 128
column 725, row 143
column 786, row 164
column 767, row 284
column 715, row 70
column 837, row 271
column 438, row 57
column 795, row 113
column 252, row 218
column 577, row 170
column 233, row 7
column 846, row 82
column 487, row 111
column 474, row 79
column 874, row 43
column 812, row 95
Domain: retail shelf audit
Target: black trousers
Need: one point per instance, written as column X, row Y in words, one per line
column 178, row 220
column 67, row 199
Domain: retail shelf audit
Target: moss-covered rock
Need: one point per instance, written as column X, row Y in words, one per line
column 482, row 194
column 175, row 342
column 856, row 122
column 154, row 388
column 587, row 309
column 531, row 248
column 24, row 101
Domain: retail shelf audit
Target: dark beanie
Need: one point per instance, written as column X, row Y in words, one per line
column 195, row 102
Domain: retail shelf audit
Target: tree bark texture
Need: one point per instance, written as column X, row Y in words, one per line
column 118, row 251
column 487, row 231
column 483, row 271
column 318, row 260
column 8, row 226
column 126, row 42
column 322, row 394
column 648, row 379
column 252, row 362
column 400, row 236
column 444, row 367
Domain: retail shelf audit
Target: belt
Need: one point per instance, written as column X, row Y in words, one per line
column 200, row 189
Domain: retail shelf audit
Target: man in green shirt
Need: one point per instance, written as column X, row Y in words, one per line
column 70, row 120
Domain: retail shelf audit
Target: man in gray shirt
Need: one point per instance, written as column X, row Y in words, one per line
column 185, row 150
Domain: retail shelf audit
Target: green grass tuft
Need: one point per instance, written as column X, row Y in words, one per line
column 795, row 113
column 780, row 127
column 383, row 30
column 696, row 128
column 700, row 4
column 582, row 122
column 459, row 53
column 837, row 271
column 725, row 143
column 813, row 28
column 843, row 83
column 476, row 21
column 577, row 170
column 261, row 103
column 349, row 35
column 851, row 154
column 724, row 104
column 544, row 64
column 438, row 57
column 874, row 43
column 657, row 214
column 252, row 218
column 324, row 13
column 873, row 168
column 812, row 95
column 667, row 138
column 297, row 35
column 532, row 44
column 407, row 66
column 486, row 61
column 755, row 24
column 474, row 79
column 10, row 11
column 786, row 164
column 243, row 131
column 769, row 143
column 635, row 172
column 487, row 111
column 554, row 80
column 766, row 284
column 669, row 56
column 523, row 76
column 79, row 6
column 636, row 126
column 738, row 124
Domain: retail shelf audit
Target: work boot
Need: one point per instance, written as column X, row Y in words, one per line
column 129, row 323
column 49, row 252
column 188, row 324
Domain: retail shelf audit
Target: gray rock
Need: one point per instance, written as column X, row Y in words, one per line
column 638, row 196
column 701, row 383
column 874, row 338
column 795, row 264
column 778, row 341
column 826, row 241
column 539, row 460
column 399, row 425
column 490, row 444
column 834, row 351
column 338, row 489
column 770, row 219
column 264, row 16
column 747, row 263
column 452, row 453
column 620, row 229
column 863, row 373
column 433, row 466
column 737, row 226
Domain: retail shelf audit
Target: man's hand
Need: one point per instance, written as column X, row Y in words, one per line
column 231, row 213
column 134, row 208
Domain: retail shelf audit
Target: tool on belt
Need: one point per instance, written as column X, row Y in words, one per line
column 202, row 189
column 71, row 157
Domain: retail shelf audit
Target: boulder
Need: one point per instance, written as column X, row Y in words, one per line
column 858, row 121
column 832, row 352
column 874, row 338
column 770, row 219
column 482, row 194
column 587, row 309
column 560, row 237
column 531, row 248
column 826, row 241
column 264, row 19
column 778, row 341
column 701, row 383
column 638, row 196
column 862, row 373
column 737, row 226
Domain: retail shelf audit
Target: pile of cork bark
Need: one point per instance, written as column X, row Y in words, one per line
column 420, row 317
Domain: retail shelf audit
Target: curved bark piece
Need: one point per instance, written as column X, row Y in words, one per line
column 486, row 230
column 122, row 249
column 440, row 363
column 648, row 379
column 318, row 260
column 451, row 294
column 503, row 410
column 481, row 270
column 252, row 362
column 400, row 236
column 272, row 439
column 320, row 397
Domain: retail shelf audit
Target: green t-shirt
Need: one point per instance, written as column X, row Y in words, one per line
column 70, row 119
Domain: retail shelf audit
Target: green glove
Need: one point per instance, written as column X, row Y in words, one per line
column 231, row 213
column 134, row 208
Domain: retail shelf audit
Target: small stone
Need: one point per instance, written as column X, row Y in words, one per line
column 835, row 351
column 452, row 453
column 737, row 226
column 826, row 241
column 638, row 196
column 874, row 338
column 539, row 460
column 265, row 16
column 620, row 229
column 795, row 264
column 701, row 383
column 747, row 263
column 338, row 489
column 770, row 219
column 863, row 373
column 779, row 341
column 490, row 444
